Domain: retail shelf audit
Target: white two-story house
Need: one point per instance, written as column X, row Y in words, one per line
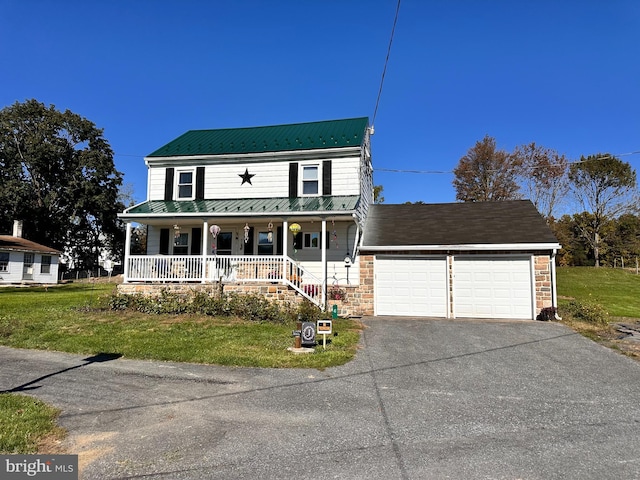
column 287, row 211
column 276, row 205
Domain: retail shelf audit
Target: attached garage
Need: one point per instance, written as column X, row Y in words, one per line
column 458, row 260
column 498, row 287
column 411, row 286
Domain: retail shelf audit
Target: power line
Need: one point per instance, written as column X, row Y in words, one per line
column 449, row 172
column 384, row 70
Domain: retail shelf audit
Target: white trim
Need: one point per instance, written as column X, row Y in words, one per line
column 479, row 247
column 255, row 157
column 177, row 184
column 347, row 214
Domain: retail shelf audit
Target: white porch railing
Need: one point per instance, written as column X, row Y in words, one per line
column 226, row 268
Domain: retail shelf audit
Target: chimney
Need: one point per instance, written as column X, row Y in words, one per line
column 17, row 228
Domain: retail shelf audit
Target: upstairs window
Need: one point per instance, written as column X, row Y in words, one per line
column 185, row 184
column 310, row 183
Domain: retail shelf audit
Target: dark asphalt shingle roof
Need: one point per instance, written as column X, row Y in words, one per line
column 508, row 222
column 348, row 132
column 18, row 244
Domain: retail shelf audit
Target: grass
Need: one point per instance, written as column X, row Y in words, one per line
column 616, row 290
column 25, row 423
column 66, row 318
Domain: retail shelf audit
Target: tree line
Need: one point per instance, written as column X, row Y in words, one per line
column 591, row 204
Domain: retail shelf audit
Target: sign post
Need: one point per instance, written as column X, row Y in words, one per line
column 324, row 328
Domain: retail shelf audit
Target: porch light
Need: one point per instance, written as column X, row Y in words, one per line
column 295, row 228
column 215, row 230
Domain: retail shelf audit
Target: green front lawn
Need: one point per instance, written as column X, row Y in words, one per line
column 616, row 290
column 66, row 318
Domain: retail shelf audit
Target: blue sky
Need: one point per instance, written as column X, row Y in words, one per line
column 564, row 74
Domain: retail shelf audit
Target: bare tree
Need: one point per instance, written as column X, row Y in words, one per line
column 543, row 177
column 486, row 174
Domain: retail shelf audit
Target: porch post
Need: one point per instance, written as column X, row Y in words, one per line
column 127, row 250
column 285, row 250
column 323, row 292
column 205, row 233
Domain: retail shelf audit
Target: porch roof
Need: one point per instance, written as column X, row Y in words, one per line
column 245, row 207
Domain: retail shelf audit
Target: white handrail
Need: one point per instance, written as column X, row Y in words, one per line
column 226, row 268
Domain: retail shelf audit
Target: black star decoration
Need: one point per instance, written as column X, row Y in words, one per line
column 246, row 177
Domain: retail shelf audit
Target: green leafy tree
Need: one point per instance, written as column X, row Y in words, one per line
column 377, row 194
column 605, row 186
column 543, row 177
column 486, row 174
column 625, row 238
column 58, row 175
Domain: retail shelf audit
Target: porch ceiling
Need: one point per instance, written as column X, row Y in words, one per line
column 246, row 207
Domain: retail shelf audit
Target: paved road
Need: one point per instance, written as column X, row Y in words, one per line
column 423, row 399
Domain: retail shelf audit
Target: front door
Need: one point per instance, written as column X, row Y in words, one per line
column 27, row 267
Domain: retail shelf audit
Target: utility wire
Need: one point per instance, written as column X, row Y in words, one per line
column 449, row 172
column 384, row 70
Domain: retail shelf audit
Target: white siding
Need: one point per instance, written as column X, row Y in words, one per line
column 15, row 269
column 156, row 183
column 271, row 179
column 223, row 181
column 153, row 240
column 344, row 175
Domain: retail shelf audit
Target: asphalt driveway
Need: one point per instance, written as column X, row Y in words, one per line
column 423, row 399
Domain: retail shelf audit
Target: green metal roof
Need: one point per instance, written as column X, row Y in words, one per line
column 278, row 138
column 247, row 206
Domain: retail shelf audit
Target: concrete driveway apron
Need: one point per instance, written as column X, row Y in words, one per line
column 423, row 399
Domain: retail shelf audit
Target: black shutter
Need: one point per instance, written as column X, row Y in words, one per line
column 297, row 241
column 200, row 183
column 326, row 177
column 279, row 239
column 248, row 247
column 168, row 184
column 196, row 241
column 293, row 179
column 164, row 241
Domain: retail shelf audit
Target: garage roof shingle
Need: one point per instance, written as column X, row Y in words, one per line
column 507, row 222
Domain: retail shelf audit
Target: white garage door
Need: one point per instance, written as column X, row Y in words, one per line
column 492, row 287
column 411, row 286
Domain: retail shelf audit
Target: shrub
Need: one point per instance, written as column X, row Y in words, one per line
column 586, row 312
column 250, row 307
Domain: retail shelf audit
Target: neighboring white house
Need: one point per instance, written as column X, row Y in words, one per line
column 24, row 261
column 287, row 211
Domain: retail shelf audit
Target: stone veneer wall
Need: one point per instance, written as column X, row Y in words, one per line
column 280, row 293
column 358, row 300
column 542, row 275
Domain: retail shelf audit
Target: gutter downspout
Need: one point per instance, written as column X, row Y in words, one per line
column 554, row 293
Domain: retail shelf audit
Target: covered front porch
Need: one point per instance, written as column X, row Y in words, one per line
column 225, row 269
